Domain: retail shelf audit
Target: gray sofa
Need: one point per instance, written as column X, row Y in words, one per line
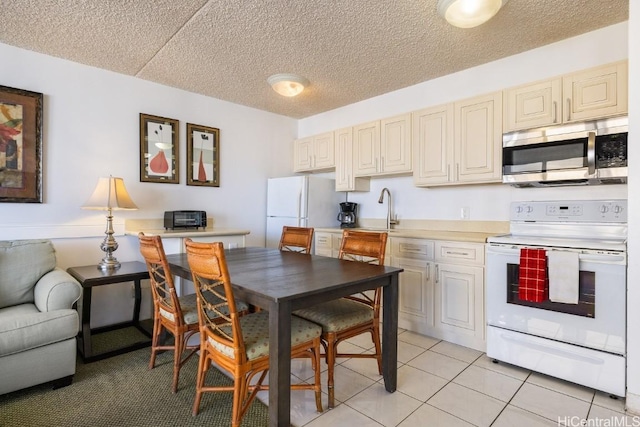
column 38, row 325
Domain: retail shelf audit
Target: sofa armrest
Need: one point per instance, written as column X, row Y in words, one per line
column 56, row 290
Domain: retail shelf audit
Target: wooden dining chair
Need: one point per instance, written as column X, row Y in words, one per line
column 178, row 316
column 239, row 344
column 350, row 316
column 296, row 239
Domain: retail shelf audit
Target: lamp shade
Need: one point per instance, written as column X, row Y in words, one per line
column 469, row 13
column 288, row 84
column 110, row 193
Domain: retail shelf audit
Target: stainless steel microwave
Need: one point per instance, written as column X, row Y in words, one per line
column 572, row 154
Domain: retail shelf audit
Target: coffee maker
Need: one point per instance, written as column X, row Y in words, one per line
column 347, row 215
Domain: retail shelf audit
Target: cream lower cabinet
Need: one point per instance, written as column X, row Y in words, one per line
column 322, row 244
column 459, row 294
column 415, row 256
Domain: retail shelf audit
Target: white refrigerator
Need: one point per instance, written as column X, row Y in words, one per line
column 300, row 201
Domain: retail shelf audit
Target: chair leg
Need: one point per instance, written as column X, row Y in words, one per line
column 331, row 363
column 316, row 367
column 177, row 358
column 157, row 329
column 239, row 395
column 202, row 371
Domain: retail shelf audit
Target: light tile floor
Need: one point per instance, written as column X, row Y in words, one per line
column 442, row 384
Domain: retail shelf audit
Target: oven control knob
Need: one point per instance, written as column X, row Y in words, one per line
column 604, row 209
column 617, row 209
column 529, row 209
column 519, row 209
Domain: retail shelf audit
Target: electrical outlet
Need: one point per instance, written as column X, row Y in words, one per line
column 464, row 212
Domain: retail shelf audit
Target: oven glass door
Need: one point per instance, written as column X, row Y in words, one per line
column 545, row 157
column 598, row 321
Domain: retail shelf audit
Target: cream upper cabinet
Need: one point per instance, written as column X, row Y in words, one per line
column 532, row 106
column 433, row 145
column 314, row 153
column 595, row 93
column 478, row 139
column 345, row 178
column 383, row 147
column 585, row 95
column 459, row 143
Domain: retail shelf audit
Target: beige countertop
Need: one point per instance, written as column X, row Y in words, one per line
column 462, row 231
column 155, row 227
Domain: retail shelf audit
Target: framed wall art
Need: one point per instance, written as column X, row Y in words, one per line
column 159, row 149
column 20, row 146
column 203, row 155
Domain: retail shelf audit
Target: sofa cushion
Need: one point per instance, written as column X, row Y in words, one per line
column 22, row 263
column 23, row 327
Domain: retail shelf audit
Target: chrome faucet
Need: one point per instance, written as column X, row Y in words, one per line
column 391, row 220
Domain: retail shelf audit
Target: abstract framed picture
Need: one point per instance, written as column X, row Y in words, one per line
column 20, row 146
column 159, row 149
column 203, row 155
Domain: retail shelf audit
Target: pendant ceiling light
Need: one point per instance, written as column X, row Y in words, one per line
column 469, row 13
column 288, row 84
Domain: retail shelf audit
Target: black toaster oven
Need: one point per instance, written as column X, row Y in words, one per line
column 185, row 219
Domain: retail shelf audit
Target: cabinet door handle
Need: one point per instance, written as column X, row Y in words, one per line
column 376, row 164
column 568, row 109
column 428, row 271
column 382, row 164
column 554, row 108
column 437, row 273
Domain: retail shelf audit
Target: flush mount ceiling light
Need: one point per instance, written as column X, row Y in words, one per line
column 288, row 84
column 469, row 13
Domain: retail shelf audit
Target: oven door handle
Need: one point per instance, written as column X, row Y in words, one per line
column 617, row 258
column 591, row 153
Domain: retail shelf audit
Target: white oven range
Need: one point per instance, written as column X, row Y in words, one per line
column 584, row 343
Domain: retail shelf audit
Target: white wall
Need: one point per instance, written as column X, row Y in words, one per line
column 633, row 278
column 91, row 129
column 485, row 202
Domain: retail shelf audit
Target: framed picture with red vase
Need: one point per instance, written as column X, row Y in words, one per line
column 20, row 145
column 203, row 155
column 159, row 149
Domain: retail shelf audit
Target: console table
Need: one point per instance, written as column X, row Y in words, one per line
column 90, row 276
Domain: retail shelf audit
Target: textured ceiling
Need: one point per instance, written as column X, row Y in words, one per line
column 350, row 50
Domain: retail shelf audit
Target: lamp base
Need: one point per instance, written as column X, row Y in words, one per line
column 109, row 263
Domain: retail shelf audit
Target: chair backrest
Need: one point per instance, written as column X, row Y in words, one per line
column 368, row 247
column 217, row 313
column 163, row 289
column 363, row 246
column 296, row 239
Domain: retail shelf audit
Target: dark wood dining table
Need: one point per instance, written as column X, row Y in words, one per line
column 282, row 282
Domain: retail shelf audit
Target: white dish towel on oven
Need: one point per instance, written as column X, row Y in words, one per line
column 564, row 276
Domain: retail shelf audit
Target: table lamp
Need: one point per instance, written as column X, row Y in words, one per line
column 110, row 194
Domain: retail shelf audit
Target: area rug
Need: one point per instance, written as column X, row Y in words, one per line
column 122, row 391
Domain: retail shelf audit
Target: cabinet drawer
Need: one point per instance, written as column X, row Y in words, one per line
column 412, row 248
column 460, row 253
column 323, row 241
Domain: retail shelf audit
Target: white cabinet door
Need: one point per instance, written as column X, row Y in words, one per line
column 416, row 293
column 366, row 142
column 395, row 144
column 584, row 95
column 478, row 139
column 314, row 153
column 323, row 151
column 595, row 93
column 302, row 154
column 433, row 145
column 534, row 105
column 460, row 304
column 345, row 179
